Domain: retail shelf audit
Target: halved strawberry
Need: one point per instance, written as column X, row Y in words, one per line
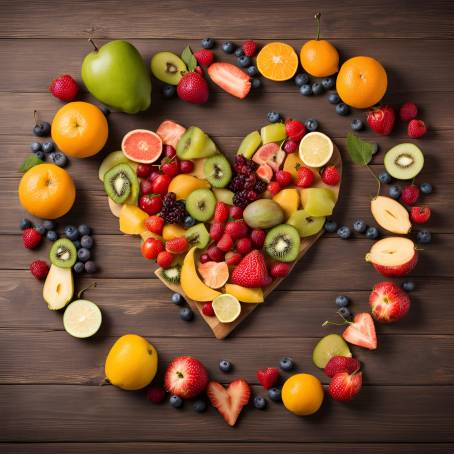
column 230, row 78
column 268, row 377
column 361, row 331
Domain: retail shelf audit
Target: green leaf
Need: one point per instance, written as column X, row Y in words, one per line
column 360, row 151
column 30, row 161
column 188, row 58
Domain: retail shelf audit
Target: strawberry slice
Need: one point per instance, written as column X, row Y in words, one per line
column 268, row 377
column 230, row 78
column 229, row 402
column 361, row 331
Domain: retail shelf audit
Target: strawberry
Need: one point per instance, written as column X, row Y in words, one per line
column 345, row 386
column 290, row 146
column 258, row 238
column 389, row 303
column 207, row 309
column 330, row 176
column 268, row 377
column 237, row 229
column 249, row 48
column 284, row 178
column 236, row 212
column 221, row 212
column 244, row 246
column 361, row 331
column 193, row 88
column 251, row 271
column 410, row 194
column 420, row 215
column 156, row 395
column 295, row 130
column 304, row 177
column 155, row 224
column 233, row 258
column 215, row 254
column 382, row 120
column 416, row 129
column 274, row 187
column 31, row 238
column 39, row 269
column 341, row 364
column 164, row 259
column 279, row 269
column 185, row 377
column 225, row 243
column 204, row 57
column 151, row 247
column 216, row 231
column 177, row 245
column 229, row 402
column 64, row 88
column 231, row 79
column 170, row 166
column 150, row 203
column 408, row 111
column 198, row 69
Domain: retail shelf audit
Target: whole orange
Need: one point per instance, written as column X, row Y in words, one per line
column 302, row 394
column 80, row 129
column 319, row 58
column 47, row 191
column 361, row 82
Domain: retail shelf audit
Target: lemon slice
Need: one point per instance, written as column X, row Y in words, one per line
column 82, row 319
column 315, row 149
column 227, row 308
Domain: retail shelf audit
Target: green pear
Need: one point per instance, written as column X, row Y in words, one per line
column 117, row 76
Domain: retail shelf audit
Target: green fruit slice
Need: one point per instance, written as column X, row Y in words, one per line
column 249, row 144
column 82, row 319
column 224, row 195
column 167, row 67
column 195, row 144
column 404, row 161
column 198, row 236
column 63, row 253
column 111, row 160
column 327, row 347
column 305, row 224
column 217, row 171
column 200, row 204
column 274, row 132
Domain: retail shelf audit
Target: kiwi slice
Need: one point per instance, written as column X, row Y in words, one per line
column 404, row 161
column 283, row 243
column 198, row 236
column 195, row 144
column 200, row 204
column 217, row 171
column 119, row 182
column 63, row 253
column 172, row 274
column 327, row 347
column 167, row 67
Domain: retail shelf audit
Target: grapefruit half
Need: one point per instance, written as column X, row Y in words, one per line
column 141, row 145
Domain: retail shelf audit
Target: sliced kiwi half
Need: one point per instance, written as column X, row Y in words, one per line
column 198, row 236
column 167, row 67
column 200, row 204
column 172, row 274
column 120, row 182
column 217, row 171
column 283, row 243
column 63, row 253
column 404, row 161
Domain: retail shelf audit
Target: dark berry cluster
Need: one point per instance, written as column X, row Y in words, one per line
column 244, row 166
column 173, row 211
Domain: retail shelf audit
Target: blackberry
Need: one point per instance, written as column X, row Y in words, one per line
column 237, row 183
column 250, row 182
column 240, row 199
column 260, row 186
column 173, row 211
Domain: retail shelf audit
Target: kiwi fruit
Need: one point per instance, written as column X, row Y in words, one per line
column 198, row 236
column 63, row 253
column 404, row 161
column 283, row 243
column 200, row 204
column 195, row 144
column 167, row 67
column 217, row 171
column 172, row 274
column 119, row 182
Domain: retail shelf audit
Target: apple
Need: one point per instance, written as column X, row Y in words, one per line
column 390, row 215
column 393, row 256
column 388, row 302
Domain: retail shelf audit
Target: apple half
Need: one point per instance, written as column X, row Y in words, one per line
column 390, row 215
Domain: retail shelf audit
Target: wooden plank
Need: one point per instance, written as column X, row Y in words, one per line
column 90, row 413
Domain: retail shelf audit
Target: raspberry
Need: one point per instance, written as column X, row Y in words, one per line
column 236, row 212
column 274, row 187
column 330, row 176
column 177, row 245
column 290, row 146
column 295, row 129
column 305, row 177
column 244, row 246
column 284, row 178
column 410, row 194
column 221, row 212
column 64, row 87
column 215, row 254
column 420, row 215
column 233, row 258
column 258, row 238
column 156, row 395
column 31, row 238
column 216, row 231
column 204, row 57
column 164, row 259
column 249, row 48
column 279, row 269
column 416, row 129
column 236, row 229
column 225, row 243
column 39, row 269
column 408, row 111
column 207, row 309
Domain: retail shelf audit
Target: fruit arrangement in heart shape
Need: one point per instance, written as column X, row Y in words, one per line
column 223, row 236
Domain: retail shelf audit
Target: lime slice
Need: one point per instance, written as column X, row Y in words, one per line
column 327, row 347
column 227, row 308
column 82, row 318
column 315, row 149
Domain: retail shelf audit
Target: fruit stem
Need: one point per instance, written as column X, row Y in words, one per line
column 93, row 284
column 378, row 181
column 317, row 18
column 327, row 322
column 35, row 116
column 90, row 40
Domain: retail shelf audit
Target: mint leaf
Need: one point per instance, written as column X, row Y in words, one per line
column 188, row 58
column 30, row 161
column 360, row 151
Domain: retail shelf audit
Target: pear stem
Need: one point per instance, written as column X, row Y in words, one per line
column 92, row 285
column 317, row 18
column 90, row 40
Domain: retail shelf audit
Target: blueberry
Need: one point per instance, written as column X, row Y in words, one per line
column 426, row 188
column 256, row 83
column 408, row 286
column 372, row 233
column 394, row 191
column 200, row 406
column 301, row 79
column 59, row 158
column 86, row 242
column 77, row 244
column 239, row 52
column 344, row 232
column 333, row 98
column 48, row 147
column 244, row 61
column 25, row 224
column 306, row 90
column 42, row 129
column 342, row 109
column 168, row 91
column 345, row 312
column 177, row 298
column 342, row 301
column 71, row 232
column 35, row 146
column 252, row 71
column 40, row 229
column 228, row 47
column 90, row 266
column 83, row 254
column 286, row 363
column 330, row 226
column 105, row 110
column 186, row 314
column 385, row 178
column 40, row 155
column 359, row 226
column 317, row 88
column 176, row 401
column 273, row 117
column 208, row 43
column 49, row 225
column 311, row 124
column 52, row 235
column 78, row 267
column 357, row 124
column 275, row 394
column 423, row 237
column 328, row 83
column 259, row 403
column 189, row 221
column 225, row 366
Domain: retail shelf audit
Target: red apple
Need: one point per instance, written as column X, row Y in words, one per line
column 388, row 302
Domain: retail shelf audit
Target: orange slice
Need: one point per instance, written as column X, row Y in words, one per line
column 277, row 61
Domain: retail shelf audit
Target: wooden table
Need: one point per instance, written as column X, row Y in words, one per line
column 50, row 398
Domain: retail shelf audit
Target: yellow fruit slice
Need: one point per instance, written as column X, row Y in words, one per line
column 132, row 220
column 292, row 164
column 288, row 200
column 182, row 185
column 147, row 234
column 277, row 61
column 315, row 149
column 227, row 308
column 190, row 282
column 245, row 295
column 171, row 231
